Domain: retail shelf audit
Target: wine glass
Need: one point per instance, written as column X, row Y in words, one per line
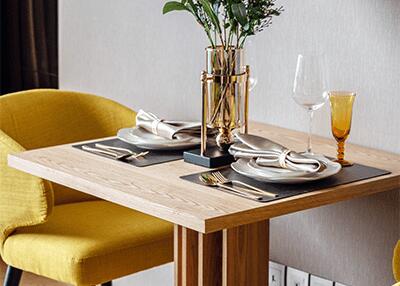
column 310, row 87
column 251, row 59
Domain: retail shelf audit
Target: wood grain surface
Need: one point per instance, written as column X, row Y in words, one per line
column 210, row 259
column 198, row 259
column 158, row 190
column 245, row 255
column 232, row 257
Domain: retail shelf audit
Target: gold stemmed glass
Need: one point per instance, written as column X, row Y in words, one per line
column 341, row 115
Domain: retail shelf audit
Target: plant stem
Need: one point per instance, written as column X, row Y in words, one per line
column 237, row 37
column 222, row 41
column 230, row 37
column 203, row 24
column 243, row 41
column 225, row 29
column 210, row 38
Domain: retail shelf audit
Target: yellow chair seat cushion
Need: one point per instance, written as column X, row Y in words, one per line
column 89, row 243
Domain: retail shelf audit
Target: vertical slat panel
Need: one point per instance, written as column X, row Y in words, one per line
column 246, row 255
column 190, row 257
column 210, row 259
column 178, row 254
column 233, row 257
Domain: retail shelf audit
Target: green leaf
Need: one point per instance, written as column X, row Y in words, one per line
column 173, row 6
column 211, row 14
column 191, row 7
column 239, row 11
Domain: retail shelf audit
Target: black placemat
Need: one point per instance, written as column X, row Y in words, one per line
column 154, row 157
column 347, row 175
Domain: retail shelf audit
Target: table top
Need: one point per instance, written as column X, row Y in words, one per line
column 158, row 191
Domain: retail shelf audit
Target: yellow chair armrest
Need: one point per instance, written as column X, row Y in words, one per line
column 24, row 199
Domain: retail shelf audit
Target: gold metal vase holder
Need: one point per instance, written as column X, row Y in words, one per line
column 213, row 156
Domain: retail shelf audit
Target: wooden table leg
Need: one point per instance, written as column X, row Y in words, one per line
column 178, row 255
column 246, row 255
column 232, row 257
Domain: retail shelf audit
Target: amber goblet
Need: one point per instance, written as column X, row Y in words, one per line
column 341, row 116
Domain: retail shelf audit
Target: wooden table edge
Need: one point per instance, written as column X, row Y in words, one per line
column 312, row 200
column 264, row 211
column 36, row 169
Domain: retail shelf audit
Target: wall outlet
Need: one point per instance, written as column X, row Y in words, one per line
column 276, row 274
column 296, row 277
column 318, row 281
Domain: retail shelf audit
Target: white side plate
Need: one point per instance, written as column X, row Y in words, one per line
column 146, row 140
column 245, row 168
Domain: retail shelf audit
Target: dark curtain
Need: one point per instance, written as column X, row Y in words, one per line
column 29, row 44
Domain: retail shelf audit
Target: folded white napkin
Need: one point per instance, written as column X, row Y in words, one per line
column 270, row 154
column 166, row 128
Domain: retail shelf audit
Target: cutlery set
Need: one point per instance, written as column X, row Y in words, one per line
column 216, row 179
column 116, row 153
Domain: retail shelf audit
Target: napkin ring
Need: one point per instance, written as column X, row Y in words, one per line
column 154, row 125
column 282, row 158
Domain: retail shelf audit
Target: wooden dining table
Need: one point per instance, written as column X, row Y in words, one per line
column 219, row 238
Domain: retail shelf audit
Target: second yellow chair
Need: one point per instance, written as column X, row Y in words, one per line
column 56, row 232
column 396, row 263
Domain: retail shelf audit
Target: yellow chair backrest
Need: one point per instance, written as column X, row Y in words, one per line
column 40, row 118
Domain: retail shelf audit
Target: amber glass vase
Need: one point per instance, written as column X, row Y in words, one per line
column 341, row 117
column 225, row 87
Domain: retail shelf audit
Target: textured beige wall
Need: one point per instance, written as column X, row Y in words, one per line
column 128, row 51
column 351, row 242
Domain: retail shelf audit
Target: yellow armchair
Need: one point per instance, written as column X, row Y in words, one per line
column 18, row 188
column 396, row 263
column 57, row 232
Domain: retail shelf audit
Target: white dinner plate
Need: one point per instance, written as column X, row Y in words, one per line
column 146, row 140
column 248, row 168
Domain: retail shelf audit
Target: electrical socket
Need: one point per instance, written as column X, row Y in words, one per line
column 296, row 277
column 276, row 274
column 318, row 281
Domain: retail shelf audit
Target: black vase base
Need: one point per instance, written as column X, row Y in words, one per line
column 213, row 158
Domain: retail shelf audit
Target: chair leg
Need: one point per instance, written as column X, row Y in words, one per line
column 109, row 283
column 13, row 276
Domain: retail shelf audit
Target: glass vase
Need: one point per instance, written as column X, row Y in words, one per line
column 225, row 91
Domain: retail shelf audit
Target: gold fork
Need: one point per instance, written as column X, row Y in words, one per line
column 209, row 180
column 223, row 180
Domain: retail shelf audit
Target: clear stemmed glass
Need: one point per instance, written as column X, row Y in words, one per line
column 251, row 59
column 310, row 87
